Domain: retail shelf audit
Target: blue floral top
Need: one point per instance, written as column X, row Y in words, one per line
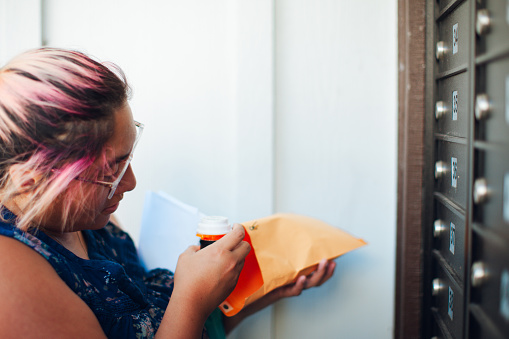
column 128, row 301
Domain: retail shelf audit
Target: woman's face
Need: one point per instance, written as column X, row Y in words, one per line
column 92, row 209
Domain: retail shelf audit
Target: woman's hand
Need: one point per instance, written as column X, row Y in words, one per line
column 209, row 275
column 203, row 280
column 323, row 272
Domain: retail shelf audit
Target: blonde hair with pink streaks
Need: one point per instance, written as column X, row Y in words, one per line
column 56, row 115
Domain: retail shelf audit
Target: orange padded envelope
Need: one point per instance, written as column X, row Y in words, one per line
column 284, row 247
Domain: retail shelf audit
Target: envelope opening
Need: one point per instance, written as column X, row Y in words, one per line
column 250, row 280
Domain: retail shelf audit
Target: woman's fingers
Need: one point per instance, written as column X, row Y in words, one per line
column 299, row 286
column 324, row 272
column 330, row 271
column 242, row 250
column 232, row 240
column 291, row 290
column 192, row 249
column 314, row 278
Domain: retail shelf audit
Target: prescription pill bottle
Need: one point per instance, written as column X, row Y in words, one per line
column 211, row 229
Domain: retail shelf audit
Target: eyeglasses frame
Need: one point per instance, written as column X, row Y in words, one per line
column 113, row 185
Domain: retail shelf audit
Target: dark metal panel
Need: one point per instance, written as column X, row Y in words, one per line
column 451, row 169
column 451, row 105
column 438, row 328
column 490, row 278
column 492, row 102
column 449, row 231
column 492, row 26
column 448, row 299
column 453, row 44
column 491, row 189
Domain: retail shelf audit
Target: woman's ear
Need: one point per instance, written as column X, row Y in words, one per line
column 17, row 190
column 21, row 177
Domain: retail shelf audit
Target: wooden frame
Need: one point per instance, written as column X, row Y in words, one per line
column 411, row 171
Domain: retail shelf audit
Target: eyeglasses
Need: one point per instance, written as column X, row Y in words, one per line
column 120, row 168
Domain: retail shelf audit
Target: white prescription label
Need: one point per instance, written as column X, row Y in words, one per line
column 452, row 238
column 506, row 198
column 455, row 39
column 454, row 172
column 450, row 305
column 504, row 295
column 455, row 105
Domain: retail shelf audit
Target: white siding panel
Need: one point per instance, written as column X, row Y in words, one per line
column 20, row 27
column 336, row 120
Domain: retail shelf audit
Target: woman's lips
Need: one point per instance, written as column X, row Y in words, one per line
column 111, row 209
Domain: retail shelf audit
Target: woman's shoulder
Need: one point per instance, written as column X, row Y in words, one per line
column 35, row 301
column 18, row 261
column 25, row 239
column 14, row 253
column 24, row 255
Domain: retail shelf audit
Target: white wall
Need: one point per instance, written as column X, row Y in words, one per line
column 257, row 106
column 21, row 31
column 336, row 155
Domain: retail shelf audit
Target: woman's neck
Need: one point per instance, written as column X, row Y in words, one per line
column 73, row 241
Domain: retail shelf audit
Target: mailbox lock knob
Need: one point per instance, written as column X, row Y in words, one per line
column 441, row 49
column 481, row 191
column 479, row 274
column 482, row 106
column 437, row 286
column 440, row 109
column 483, row 22
column 440, row 169
column 438, row 228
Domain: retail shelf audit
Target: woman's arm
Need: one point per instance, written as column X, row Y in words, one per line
column 35, row 302
column 203, row 279
column 324, row 272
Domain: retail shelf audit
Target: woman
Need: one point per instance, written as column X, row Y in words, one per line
column 67, row 137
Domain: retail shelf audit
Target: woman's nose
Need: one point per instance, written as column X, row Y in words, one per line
column 128, row 182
